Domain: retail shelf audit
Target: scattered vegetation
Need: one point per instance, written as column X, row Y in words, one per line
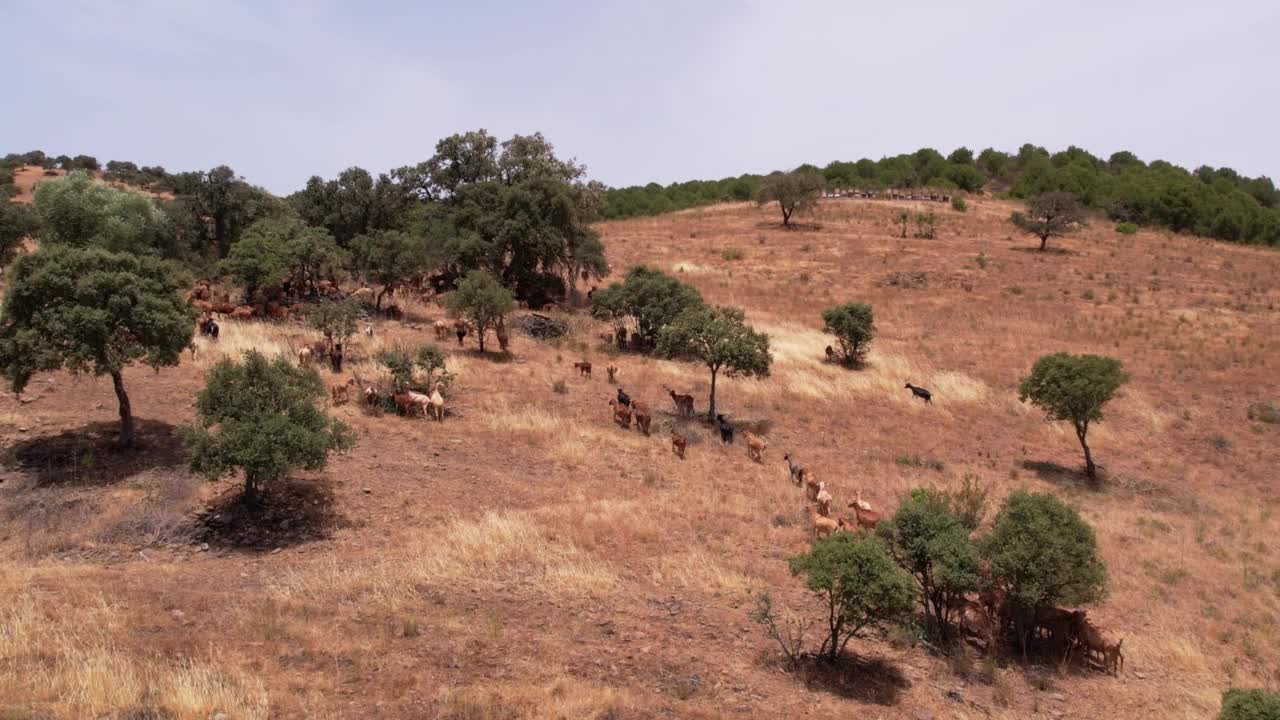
column 720, row 338
column 1074, row 388
column 483, row 301
column 796, row 191
column 853, row 324
column 1048, row 215
column 1126, row 228
column 1240, row 704
column 958, row 204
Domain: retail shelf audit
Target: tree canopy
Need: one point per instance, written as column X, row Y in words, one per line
column 16, row 222
column 482, row 300
column 854, row 326
column 647, row 298
column 795, row 191
column 721, row 339
column 389, row 258
column 262, row 416
column 1050, row 214
column 90, row 310
column 76, row 210
column 279, row 251
column 1074, row 388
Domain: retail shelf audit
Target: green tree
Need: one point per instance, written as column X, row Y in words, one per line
column 853, row 324
column 1240, row 704
column 220, row 206
column 353, row 204
column 264, row 417
column 649, row 298
column 1049, row 214
column 793, row 191
column 1041, row 553
column 16, row 222
column 389, row 258
column 851, row 574
column 482, row 300
column 278, row 250
column 401, row 363
column 720, row 338
column 76, row 210
column 89, row 310
column 927, row 540
column 1074, row 388
column 335, row 320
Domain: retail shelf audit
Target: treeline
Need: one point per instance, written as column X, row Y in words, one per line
column 1214, row 202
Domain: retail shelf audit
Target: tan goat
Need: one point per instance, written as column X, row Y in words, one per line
column 678, row 444
column 822, row 526
column 824, row 500
column 755, row 445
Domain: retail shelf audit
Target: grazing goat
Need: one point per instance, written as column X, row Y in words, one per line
column 755, row 445
column 304, row 356
column 371, row 396
column 209, row 327
column 623, row 397
column 437, row 402
column 831, row 354
column 621, row 413
column 504, row 338
column 797, row 469
column 583, row 368
column 342, row 393
column 612, row 371
column 860, row 502
column 243, row 312
column 726, row 430
column 867, row 519
column 822, row 526
column 403, row 401
column 643, row 418
column 921, row 393
column 442, row 329
column 1093, row 641
column 811, row 485
column 678, row 444
column 368, row 331
column 824, row 500
column 684, row 403
column 460, row 329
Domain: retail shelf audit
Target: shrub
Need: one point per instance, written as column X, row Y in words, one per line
column 1240, row 704
column 785, row 627
column 721, row 339
column 1074, row 388
column 853, row 324
column 853, row 576
column 958, row 204
column 1126, row 228
column 482, row 300
column 969, row 502
column 1267, row 412
column 560, row 387
column 981, row 261
column 731, row 254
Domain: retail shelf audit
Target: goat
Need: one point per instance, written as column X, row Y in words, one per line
column 243, row 312
column 393, row 312
column 831, row 354
column 678, row 444
column 921, row 393
column 1093, row 641
column 342, row 393
column 755, row 445
column 195, row 350
column 612, row 371
column 442, row 329
column 860, row 502
column 304, row 356
column 621, row 413
column 403, row 401
column 684, row 403
column 797, row 470
column 822, row 526
column 583, row 368
column 371, row 396
column 623, row 397
column 437, row 402
column 504, row 338
column 368, row 331
column 824, row 500
column 867, row 519
column 1060, row 624
column 643, row 418
column 460, row 329
column 726, row 430
column 811, row 485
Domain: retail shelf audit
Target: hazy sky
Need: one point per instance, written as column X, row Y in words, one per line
column 639, row 91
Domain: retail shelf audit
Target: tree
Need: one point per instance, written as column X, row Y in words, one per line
column 335, row 320
column 1240, row 704
column 76, row 210
column 258, row 259
column 1050, row 214
column 720, row 338
column 16, row 222
column 854, row 327
column 353, row 204
column 1074, row 388
column 1041, row 554
column 89, row 310
column 401, row 363
column 932, row 544
column 903, row 217
column 793, row 191
column 649, row 298
column 262, row 416
column 482, row 300
column 389, row 257
column 851, row 574
column 278, row 250
column 220, row 205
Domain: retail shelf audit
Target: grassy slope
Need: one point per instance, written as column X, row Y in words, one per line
column 526, row 558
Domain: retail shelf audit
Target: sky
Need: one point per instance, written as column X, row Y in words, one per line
column 640, row 91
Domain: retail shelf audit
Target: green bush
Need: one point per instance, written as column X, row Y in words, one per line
column 1074, row 388
column 1250, row 705
column 854, row 326
column 958, row 204
column 1126, row 228
column 731, row 254
column 1267, row 412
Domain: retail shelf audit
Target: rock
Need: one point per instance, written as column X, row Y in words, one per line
column 177, row 614
column 368, row 491
column 1140, row 676
column 921, row 714
column 23, row 429
column 1057, row 697
column 955, row 696
column 204, row 547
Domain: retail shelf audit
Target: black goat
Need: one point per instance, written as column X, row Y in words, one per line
column 921, row 393
column 726, row 430
column 209, row 327
column 624, row 398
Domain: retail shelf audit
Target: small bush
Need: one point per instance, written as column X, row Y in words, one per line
column 1015, row 289
column 981, row 260
column 958, row 204
column 1250, row 705
column 560, row 387
column 853, row 324
column 731, row 254
column 1126, row 228
column 1267, row 412
column 969, row 501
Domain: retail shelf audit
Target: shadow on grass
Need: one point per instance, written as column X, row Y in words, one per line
column 89, row 456
column 874, row 681
column 1051, row 250
column 1056, row 474
column 288, row 513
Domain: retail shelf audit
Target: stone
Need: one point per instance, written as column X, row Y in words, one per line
column 204, row 547
column 368, row 491
column 921, row 714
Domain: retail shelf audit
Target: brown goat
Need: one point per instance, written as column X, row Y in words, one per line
column 342, row 393
column 643, row 418
column 612, row 370
column 621, row 413
column 678, row 444
column 755, row 445
column 1093, row 641
column 583, row 368
column 867, row 519
column 684, row 403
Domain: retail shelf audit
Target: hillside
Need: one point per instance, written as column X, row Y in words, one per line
column 527, row 558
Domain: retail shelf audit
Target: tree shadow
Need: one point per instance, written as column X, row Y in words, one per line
column 287, row 513
column 792, row 227
column 874, row 681
column 90, row 456
column 1056, row 474
column 1051, row 250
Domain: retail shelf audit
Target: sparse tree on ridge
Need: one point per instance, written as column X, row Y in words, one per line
column 1074, row 388
column 1050, row 214
column 794, row 192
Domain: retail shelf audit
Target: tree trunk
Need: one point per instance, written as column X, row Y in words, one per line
column 480, row 332
column 711, row 409
column 377, row 303
column 1044, row 242
column 251, row 495
column 126, row 411
column 786, row 215
column 1090, row 469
